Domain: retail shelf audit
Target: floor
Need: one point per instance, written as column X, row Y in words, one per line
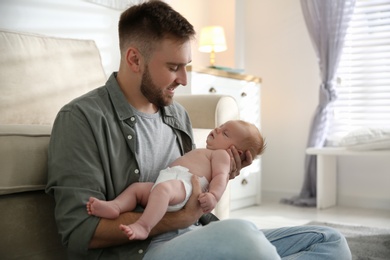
column 274, row 214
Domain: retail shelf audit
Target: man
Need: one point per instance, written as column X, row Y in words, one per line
column 101, row 143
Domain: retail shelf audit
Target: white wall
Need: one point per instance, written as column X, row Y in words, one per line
column 279, row 50
column 66, row 18
column 269, row 39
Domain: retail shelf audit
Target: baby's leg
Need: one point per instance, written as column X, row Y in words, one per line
column 136, row 231
column 164, row 194
column 103, row 209
column 137, row 193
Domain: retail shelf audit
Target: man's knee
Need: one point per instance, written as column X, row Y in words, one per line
column 226, row 239
column 242, row 238
column 335, row 242
column 237, row 226
column 330, row 234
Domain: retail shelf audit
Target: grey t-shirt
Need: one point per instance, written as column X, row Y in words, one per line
column 155, row 152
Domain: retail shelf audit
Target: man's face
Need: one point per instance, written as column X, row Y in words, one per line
column 165, row 72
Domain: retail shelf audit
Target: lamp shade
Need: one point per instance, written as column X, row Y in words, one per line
column 212, row 39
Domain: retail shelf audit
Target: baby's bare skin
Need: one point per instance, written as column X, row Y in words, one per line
column 201, row 162
column 101, row 208
column 212, row 163
column 135, row 231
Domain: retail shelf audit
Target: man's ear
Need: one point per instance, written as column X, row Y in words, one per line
column 133, row 59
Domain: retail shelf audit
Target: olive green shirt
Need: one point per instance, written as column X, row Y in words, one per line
column 92, row 153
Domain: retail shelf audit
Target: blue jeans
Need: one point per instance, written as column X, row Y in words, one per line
column 239, row 239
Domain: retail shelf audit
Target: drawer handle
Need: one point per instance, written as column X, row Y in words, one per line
column 243, row 94
column 244, row 182
column 212, row 90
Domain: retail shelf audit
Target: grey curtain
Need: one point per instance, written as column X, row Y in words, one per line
column 327, row 23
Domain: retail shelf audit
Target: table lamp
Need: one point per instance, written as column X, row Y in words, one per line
column 212, row 40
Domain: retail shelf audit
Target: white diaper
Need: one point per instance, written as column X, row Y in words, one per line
column 183, row 174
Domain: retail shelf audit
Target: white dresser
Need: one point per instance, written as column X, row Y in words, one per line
column 245, row 189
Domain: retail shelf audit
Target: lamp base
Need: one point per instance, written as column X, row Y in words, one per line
column 227, row 69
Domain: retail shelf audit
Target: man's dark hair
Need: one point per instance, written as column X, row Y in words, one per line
column 148, row 23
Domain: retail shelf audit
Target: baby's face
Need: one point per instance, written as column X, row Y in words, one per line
column 226, row 135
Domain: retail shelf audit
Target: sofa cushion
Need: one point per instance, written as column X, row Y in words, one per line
column 28, row 227
column 40, row 74
column 23, row 157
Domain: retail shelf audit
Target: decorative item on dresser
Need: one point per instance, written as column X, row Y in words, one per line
column 245, row 89
column 212, row 40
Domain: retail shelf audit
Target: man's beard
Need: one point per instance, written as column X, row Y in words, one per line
column 152, row 92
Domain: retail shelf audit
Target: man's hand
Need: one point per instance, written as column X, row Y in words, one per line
column 192, row 207
column 237, row 161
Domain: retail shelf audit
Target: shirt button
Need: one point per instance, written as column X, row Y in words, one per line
column 132, row 119
column 129, row 137
column 140, row 251
column 136, row 171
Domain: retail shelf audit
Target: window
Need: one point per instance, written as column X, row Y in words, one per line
column 363, row 76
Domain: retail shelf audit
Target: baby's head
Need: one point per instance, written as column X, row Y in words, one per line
column 243, row 135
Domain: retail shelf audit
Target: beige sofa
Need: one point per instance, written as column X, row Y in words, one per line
column 38, row 75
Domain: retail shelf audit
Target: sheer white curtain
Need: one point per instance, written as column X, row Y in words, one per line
column 363, row 75
column 327, row 23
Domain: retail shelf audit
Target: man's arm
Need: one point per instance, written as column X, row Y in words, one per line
column 108, row 233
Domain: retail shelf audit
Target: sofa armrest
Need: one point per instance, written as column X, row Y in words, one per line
column 207, row 112
column 23, row 157
column 27, row 213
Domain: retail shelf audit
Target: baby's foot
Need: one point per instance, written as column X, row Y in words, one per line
column 101, row 208
column 135, row 231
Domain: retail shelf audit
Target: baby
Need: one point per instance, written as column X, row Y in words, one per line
column 173, row 185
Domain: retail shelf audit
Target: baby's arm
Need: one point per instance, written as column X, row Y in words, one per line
column 220, row 168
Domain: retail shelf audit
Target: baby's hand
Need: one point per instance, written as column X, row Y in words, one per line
column 207, row 202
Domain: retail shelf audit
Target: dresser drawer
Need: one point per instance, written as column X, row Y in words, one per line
column 245, row 185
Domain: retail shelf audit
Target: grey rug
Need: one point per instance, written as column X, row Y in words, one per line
column 366, row 243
